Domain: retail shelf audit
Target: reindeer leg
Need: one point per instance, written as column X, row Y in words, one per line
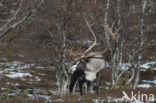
column 81, row 82
column 76, row 75
column 72, row 83
column 88, row 87
column 97, row 83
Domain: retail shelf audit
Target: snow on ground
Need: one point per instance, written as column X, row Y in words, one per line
column 148, row 65
column 1, row 72
column 39, row 67
column 21, row 70
column 27, row 66
column 147, row 84
column 150, row 81
column 47, row 98
column 125, row 66
column 144, row 86
column 15, row 70
column 16, row 75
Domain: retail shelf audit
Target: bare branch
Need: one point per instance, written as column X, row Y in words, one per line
column 12, row 18
column 110, row 31
column 3, row 32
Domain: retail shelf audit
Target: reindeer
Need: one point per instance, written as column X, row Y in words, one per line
column 90, row 63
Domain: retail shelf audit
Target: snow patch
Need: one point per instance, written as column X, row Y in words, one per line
column 125, row 66
column 144, row 86
column 1, row 72
column 148, row 65
column 154, row 69
column 150, row 81
column 39, row 67
column 26, row 66
column 16, row 75
column 37, row 79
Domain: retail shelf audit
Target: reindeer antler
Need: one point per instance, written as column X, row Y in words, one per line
column 93, row 34
column 111, row 33
column 109, row 30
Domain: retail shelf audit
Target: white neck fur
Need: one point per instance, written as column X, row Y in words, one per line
column 94, row 66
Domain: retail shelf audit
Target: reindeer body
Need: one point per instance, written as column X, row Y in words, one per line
column 86, row 71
